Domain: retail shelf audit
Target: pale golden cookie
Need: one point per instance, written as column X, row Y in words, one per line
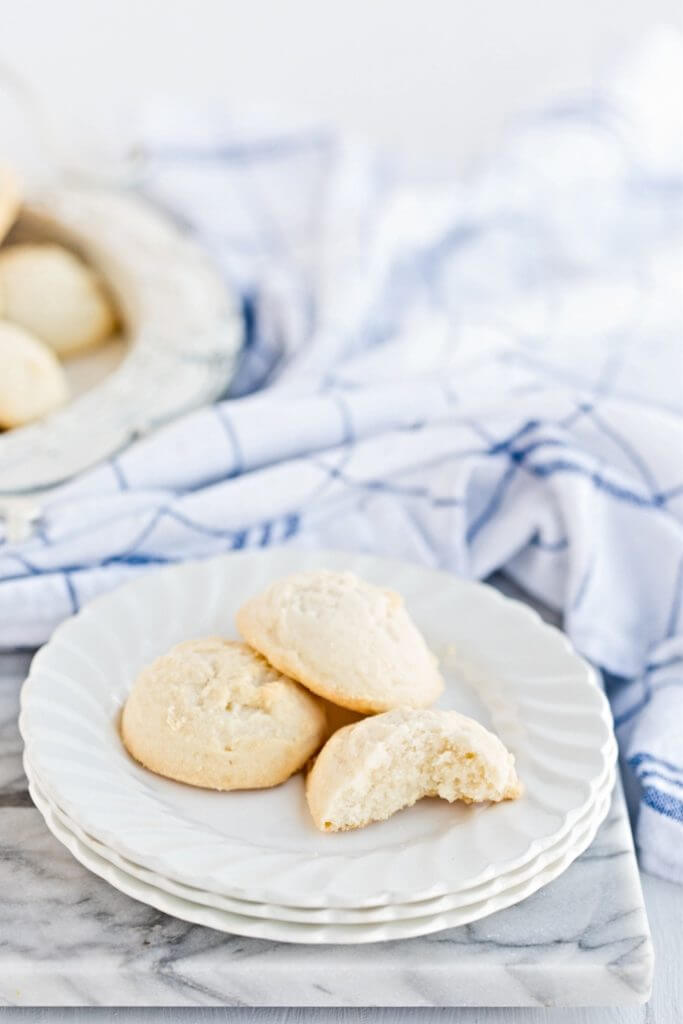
column 368, row 771
column 346, row 640
column 54, row 295
column 32, row 381
column 214, row 713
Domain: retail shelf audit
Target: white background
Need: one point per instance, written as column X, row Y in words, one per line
column 434, row 79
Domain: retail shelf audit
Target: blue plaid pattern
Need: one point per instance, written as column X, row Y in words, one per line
column 476, row 376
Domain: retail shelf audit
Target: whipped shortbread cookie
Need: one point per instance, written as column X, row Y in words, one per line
column 50, row 292
column 346, row 640
column 214, row 713
column 368, row 771
column 32, row 381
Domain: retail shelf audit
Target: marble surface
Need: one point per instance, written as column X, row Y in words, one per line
column 13, row 669
column 69, row 939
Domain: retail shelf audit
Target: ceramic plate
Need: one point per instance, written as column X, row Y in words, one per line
column 289, row 931
column 511, row 671
column 332, row 915
column 183, row 333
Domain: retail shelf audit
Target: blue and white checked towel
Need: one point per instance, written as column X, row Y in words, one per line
column 477, row 376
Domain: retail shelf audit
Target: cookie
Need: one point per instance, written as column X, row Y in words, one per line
column 368, row 771
column 54, row 295
column 344, row 639
column 32, row 382
column 214, row 713
column 10, row 199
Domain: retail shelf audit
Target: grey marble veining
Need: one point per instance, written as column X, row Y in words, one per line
column 68, row 938
column 13, row 670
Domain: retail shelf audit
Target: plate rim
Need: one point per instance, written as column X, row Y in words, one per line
column 333, row 915
column 320, row 934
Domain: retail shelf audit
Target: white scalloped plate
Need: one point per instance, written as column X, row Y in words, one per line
column 512, row 672
column 333, row 915
column 289, row 931
column 183, row 329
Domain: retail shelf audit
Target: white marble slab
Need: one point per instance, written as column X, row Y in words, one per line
column 13, row 670
column 70, row 939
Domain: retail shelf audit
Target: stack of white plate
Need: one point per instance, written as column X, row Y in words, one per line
column 252, row 863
